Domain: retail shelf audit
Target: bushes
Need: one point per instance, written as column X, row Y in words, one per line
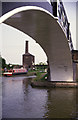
column 40, row 76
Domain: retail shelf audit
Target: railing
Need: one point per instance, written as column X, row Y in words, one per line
column 59, row 11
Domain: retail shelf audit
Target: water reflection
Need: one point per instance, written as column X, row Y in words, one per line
column 61, row 103
column 20, row 100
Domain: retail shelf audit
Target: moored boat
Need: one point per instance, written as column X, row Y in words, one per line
column 15, row 72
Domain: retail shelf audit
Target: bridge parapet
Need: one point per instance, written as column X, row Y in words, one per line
column 63, row 20
column 59, row 12
column 46, row 28
column 55, row 7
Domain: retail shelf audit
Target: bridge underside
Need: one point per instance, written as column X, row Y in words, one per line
column 46, row 31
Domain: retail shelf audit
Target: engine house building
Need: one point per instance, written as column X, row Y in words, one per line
column 75, row 56
column 28, row 59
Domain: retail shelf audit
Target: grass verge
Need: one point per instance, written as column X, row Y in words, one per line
column 40, row 76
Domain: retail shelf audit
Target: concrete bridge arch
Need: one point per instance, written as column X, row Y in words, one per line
column 45, row 29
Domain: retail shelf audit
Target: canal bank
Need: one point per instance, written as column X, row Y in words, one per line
column 40, row 80
column 50, row 84
column 21, row 100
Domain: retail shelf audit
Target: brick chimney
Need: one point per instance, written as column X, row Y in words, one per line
column 26, row 47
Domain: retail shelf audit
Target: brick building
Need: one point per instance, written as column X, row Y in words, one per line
column 75, row 55
column 28, row 59
column 75, row 63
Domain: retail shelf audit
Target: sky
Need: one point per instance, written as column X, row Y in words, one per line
column 12, row 46
column 70, row 8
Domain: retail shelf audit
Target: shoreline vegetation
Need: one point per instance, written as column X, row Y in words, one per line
column 41, row 81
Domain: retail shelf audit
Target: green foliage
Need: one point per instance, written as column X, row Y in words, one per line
column 40, row 76
column 41, row 67
column 41, row 63
column 44, row 78
column 9, row 66
column 2, row 63
column 77, row 80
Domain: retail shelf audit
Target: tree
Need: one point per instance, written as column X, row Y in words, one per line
column 41, row 63
column 2, row 63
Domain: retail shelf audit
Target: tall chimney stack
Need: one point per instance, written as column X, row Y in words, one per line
column 26, row 48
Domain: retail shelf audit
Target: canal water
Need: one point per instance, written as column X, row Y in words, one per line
column 20, row 100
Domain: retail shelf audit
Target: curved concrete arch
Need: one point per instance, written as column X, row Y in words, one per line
column 44, row 28
column 20, row 9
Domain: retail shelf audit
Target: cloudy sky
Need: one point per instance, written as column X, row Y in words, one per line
column 13, row 41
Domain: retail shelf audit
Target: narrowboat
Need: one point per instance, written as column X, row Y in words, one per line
column 15, row 72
